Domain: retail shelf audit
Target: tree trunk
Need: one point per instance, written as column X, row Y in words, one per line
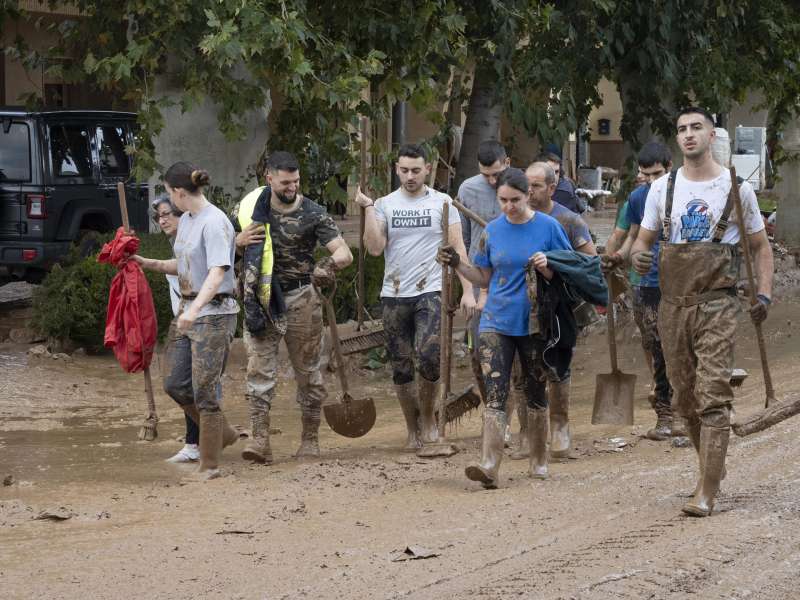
column 788, row 219
column 483, row 123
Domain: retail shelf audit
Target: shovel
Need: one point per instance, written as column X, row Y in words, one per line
column 449, row 403
column 366, row 337
column 348, row 417
column 613, row 395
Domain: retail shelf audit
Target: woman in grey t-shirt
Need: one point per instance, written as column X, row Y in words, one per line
column 204, row 254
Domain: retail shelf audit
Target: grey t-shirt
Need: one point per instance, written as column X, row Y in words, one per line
column 576, row 228
column 205, row 240
column 413, row 229
column 477, row 195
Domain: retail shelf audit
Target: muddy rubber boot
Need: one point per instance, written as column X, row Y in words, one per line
column 407, row 396
column 427, row 410
column 537, row 441
column 560, row 441
column 494, row 426
column 309, row 439
column 662, row 430
column 679, row 427
column 258, row 449
column 713, row 448
column 230, row 435
column 210, row 444
column 523, row 449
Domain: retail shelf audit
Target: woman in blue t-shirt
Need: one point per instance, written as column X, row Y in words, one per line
column 513, row 241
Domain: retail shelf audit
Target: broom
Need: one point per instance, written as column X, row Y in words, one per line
column 149, row 429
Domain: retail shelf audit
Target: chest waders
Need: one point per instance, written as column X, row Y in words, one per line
column 697, row 321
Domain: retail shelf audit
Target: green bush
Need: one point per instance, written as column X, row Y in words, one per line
column 72, row 300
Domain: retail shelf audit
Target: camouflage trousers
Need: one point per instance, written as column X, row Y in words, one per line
column 194, row 361
column 645, row 312
column 412, row 332
column 303, row 339
column 698, row 346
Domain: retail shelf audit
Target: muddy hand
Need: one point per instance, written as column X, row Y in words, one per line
column 186, row 320
column 324, row 274
column 447, row 255
column 759, row 310
column 608, row 262
column 642, row 262
column 252, row 234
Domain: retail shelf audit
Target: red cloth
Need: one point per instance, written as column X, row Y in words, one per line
column 131, row 324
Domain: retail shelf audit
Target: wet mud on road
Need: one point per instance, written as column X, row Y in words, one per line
column 92, row 512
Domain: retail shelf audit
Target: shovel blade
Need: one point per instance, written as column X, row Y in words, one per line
column 351, row 418
column 613, row 399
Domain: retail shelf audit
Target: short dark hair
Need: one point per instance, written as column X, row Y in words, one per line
column 515, row 178
column 282, row 161
column 490, row 151
column 412, row 151
column 186, row 176
column 549, row 157
column 696, row 110
column 654, row 153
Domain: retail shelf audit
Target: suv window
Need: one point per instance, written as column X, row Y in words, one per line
column 69, row 150
column 111, row 143
column 15, row 153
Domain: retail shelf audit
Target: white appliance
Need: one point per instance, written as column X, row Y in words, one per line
column 750, row 154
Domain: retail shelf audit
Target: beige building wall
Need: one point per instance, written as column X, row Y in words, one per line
column 606, row 150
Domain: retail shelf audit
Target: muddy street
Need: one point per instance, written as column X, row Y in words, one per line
column 86, row 510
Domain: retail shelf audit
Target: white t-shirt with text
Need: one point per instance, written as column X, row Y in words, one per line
column 697, row 207
column 413, row 228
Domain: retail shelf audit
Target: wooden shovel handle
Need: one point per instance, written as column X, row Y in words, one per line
column 362, row 224
column 444, row 341
column 612, row 333
column 751, row 284
column 336, row 344
column 123, row 207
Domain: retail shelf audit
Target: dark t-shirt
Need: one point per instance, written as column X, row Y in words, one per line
column 576, row 228
column 295, row 237
column 565, row 195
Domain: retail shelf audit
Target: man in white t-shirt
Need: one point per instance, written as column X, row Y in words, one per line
column 406, row 226
column 699, row 261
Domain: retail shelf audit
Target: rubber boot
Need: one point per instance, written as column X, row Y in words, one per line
column 258, row 449
column 407, row 396
column 558, row 395
column 427, row 410
column 309, row 438
column 523, row 449
column 494, row 427
column 210, row 444
column 537, row 441
column 713, row 448
column 693, row 428
column 230, row 435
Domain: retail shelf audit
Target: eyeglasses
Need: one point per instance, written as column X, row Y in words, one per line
column 163, row 215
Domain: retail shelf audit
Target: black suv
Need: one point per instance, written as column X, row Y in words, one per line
column 58, row 183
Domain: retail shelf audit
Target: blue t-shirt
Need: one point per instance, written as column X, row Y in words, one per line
column 505, row 248
column 636, row 203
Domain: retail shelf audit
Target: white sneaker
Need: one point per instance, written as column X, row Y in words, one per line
column 189, row 453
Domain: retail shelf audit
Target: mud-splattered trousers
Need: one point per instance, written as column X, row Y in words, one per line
column 303, row 339
column 412, row 332
column 497, row 352
column 195, row 360
column 645, row 312
column 697, row 320
column 555, row 369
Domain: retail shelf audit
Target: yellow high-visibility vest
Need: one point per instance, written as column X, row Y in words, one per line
column 245, row 217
